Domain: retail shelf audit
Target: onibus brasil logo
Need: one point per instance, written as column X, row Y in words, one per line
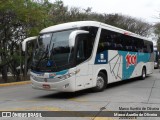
column 131, row 59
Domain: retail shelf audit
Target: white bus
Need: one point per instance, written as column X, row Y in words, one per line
column 88, row 54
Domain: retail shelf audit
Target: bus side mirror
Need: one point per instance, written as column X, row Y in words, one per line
column 73, row 35
column 24, row 43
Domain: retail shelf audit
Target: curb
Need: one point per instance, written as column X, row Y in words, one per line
column 15, row 83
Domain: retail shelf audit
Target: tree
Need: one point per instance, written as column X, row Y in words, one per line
column 19, row 19
column 58, row 12
column 129, row 23
column 157, row 32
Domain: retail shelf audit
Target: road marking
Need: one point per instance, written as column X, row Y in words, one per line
column 45, row 108
column 77, row 99
column 31, row 101
column 103, row 118
column 15, row 83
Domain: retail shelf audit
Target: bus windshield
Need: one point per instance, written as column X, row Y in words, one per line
column 53, row 51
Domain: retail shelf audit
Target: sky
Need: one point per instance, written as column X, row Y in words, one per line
column 147, row 10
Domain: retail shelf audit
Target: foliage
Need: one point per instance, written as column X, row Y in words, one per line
column 129, row 23
column 157, row 32
column 19, row 19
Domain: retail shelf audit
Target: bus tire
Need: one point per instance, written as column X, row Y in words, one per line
column 143, row 75
column 101, row 82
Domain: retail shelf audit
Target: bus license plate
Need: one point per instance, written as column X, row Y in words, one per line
column 46, row 86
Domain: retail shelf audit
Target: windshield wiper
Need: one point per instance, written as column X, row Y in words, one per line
column 52, row 54
column 45, row 53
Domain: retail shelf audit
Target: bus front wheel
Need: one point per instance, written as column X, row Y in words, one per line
column 101, row 82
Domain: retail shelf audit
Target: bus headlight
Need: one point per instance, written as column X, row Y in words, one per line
column 155, row 63
column 63, row 77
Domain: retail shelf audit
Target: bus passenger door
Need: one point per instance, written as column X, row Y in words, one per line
column 83, row 53
column 82, row 77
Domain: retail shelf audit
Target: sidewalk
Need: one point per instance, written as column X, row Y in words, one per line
column 15, row 83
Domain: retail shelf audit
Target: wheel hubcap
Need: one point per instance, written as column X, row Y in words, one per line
column 100, row 82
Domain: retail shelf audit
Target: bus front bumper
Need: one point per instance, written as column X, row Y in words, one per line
column 67, row 85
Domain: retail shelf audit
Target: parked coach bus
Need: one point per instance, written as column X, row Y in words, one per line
column 88, row 54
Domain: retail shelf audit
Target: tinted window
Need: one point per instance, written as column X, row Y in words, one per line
column 85, row 43
column 110, row 40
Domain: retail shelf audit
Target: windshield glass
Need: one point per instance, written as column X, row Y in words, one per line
column 53, row 51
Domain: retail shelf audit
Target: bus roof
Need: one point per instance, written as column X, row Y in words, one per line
column 70, row 25
column 77, row 24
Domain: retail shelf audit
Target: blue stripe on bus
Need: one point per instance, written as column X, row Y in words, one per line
column 127, row 69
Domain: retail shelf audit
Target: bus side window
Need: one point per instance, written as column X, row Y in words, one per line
column 113, row 46
column 119, row 46
column 80, row 51
column 102, row 45
column 134, row 48
column 81, row 47
column 84, row 47
column 107, row 44
column 130, row 48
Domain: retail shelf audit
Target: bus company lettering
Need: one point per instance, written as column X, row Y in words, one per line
column 131, row 59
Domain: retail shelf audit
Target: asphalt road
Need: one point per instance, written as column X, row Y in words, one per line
column 131, row 93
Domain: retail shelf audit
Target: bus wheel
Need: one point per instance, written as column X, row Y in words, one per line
column 101, row 82
column 143, row 76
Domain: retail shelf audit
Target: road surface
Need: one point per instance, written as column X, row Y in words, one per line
column 127, row 94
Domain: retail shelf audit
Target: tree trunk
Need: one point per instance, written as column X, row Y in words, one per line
column 4, row 74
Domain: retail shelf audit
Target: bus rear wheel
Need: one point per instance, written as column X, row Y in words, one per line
column 143, row 76
column 101, row 82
